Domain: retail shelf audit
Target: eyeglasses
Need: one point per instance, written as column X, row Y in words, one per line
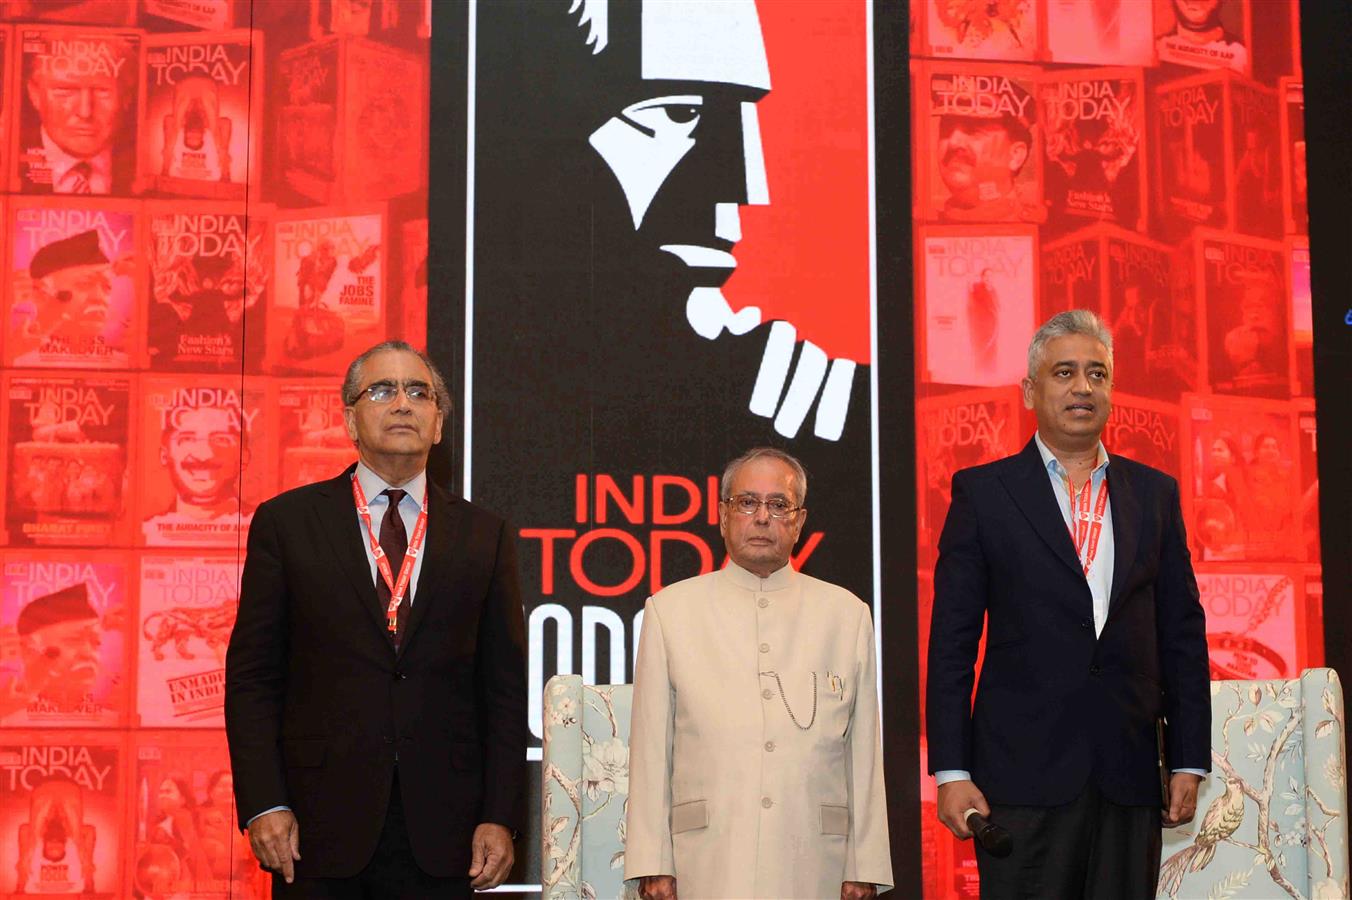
column 747, row 505
column 386, row 391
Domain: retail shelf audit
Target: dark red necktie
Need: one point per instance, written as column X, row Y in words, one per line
column 394, row 541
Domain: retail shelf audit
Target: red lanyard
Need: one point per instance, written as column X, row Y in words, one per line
column 1085, row 529
column 397, row 588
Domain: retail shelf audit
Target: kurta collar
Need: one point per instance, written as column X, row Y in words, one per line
column 777, row 581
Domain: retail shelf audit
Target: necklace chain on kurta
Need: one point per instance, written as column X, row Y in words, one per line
column 789, row 709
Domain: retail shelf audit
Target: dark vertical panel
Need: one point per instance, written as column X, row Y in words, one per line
column 1328, row 111
column 896, row 439
column 446, row 222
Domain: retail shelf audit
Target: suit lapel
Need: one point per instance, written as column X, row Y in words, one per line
column 1126, row 515
column 445, row 532
column 1027, row 483
column 338, row 520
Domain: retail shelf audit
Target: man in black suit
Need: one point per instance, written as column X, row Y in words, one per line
column 377, row 733
column 1078, row 565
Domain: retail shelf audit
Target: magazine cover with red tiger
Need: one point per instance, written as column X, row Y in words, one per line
column 187, row 608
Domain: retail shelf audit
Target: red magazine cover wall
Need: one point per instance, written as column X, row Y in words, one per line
column 150, row 343
column 245, row 206
column 1172, row 193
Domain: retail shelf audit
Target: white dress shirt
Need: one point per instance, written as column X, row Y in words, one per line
column 1100, row 575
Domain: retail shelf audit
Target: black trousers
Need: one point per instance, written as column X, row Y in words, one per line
column 392, row 873
column 1090, row 848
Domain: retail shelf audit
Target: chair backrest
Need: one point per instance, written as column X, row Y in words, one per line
column 1272, row 818
column 585, row 788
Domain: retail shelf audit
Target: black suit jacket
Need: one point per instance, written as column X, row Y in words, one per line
column 317, row 702
column 1057, row 707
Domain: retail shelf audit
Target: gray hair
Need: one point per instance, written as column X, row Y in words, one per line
column 1074, row 321
column 351, row 389
column 799, row 473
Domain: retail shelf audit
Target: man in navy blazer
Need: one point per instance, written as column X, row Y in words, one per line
column 1077, row 564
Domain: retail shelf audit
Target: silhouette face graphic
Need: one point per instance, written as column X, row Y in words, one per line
column 687, row 152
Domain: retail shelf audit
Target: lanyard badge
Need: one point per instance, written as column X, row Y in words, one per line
column 398, row 587
column 1087, row 528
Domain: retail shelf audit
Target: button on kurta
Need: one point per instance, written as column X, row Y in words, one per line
column 769, row 746
column 765, row 648
column 763, row 602
column 767, row 802
column 767, row 693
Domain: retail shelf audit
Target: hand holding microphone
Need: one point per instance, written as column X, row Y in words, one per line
column 963, row 810
column 995, row 840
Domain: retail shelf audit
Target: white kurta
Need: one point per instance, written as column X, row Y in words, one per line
column 726, row 792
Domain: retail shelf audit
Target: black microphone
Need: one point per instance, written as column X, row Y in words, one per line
column 996, row 840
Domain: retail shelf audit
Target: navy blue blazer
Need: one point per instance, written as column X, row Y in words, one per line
column 1056, row 706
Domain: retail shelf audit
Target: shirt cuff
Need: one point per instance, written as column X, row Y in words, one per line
column 265, row 812
column 944, row 776
column 1200, row 773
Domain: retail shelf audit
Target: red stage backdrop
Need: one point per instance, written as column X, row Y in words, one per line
column 209, row 207
column 1106, row 156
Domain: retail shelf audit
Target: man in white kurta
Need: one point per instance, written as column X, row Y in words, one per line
column 755, row 761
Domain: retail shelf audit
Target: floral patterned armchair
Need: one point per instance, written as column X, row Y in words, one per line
column 585, row 782
column 1271, row 817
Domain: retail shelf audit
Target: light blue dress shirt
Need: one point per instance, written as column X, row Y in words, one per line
column 379, row 504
